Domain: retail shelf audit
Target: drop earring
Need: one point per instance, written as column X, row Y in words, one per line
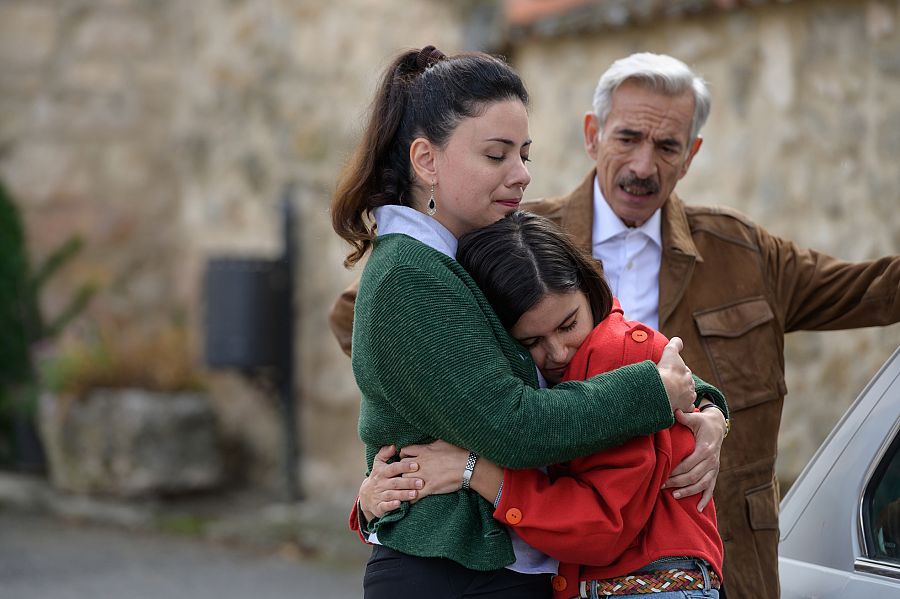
column 432, row 208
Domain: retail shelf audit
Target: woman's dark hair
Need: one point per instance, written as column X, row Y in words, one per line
column 522, row 257
column 423, row 93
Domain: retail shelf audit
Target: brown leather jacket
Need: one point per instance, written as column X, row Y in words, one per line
column 731, row 290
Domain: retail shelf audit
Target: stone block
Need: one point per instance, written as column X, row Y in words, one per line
column 115, row 34
column 40, row 171
column 28, row 34
column 131, row 442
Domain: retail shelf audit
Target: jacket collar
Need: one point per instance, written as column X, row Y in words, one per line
column 578, row 221
column 679, row 253
column 679, row 256
column 676, row 231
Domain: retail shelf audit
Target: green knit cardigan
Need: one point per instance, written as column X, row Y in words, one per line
column 433, row 362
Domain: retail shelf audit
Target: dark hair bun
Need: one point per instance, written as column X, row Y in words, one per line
column 428, row 56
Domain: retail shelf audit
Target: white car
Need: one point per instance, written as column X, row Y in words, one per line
column 840, row 522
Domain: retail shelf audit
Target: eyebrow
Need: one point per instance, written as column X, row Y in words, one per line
column 666, row 141
column 569, row 317
column 508, row 142
column 630, row 132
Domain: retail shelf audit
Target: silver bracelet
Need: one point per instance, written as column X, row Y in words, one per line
column 499, row 493
column 470, row 468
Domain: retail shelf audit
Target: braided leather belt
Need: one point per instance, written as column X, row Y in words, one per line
column 654, row 581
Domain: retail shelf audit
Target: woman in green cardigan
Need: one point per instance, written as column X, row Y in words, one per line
column 444, row 153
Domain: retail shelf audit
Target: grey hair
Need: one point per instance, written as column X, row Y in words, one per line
column 658, row 72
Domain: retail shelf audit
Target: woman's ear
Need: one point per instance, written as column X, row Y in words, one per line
column 422, row 157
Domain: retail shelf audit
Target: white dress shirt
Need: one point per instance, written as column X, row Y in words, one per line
column 631, row 257
column 418, row 225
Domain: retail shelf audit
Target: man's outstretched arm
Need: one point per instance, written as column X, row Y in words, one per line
column 341, row 316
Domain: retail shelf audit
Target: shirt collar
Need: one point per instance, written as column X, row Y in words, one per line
column 607, row 225
column 394, row 218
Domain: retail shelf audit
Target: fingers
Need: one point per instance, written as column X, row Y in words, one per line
column 383, row 496
column 690, row 490
column 690, row 483
column 699, row 471
column 411, row 451
column 385, row 507
column 708, row 429
column 682, row 472
column 381, row 470
column 684, row 479
column 401, row 483
column 705, row 486
column 671, row 355
column 397, row 469
column 706, row 497
column 393, row 480
column 386, row 453
column 438, row 446
column 385, row 487
column 692, row 420
column 410, row 469
column 404, row 494
column 676, row 344
column 676, row 376
column 702, row 462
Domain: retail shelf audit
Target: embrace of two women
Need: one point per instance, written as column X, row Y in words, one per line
column 538, row 429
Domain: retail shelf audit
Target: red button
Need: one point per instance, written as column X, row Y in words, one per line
column 513, row 515
column 559, row 583
column 639, row 335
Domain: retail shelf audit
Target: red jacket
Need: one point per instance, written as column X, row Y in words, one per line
column 606, row 512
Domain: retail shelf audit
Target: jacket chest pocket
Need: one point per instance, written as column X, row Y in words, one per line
column 745, row 350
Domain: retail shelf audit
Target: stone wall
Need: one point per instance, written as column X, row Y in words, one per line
column 803, row 136
column 163, row 132
column 276, row 92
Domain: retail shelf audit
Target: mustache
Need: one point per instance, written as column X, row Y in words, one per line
column 648, row 185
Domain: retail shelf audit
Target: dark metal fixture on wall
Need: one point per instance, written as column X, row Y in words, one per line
column 249, row 326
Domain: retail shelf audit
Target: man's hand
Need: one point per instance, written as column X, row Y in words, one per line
column 385, row 487
column 676, row 377
column 700, row 470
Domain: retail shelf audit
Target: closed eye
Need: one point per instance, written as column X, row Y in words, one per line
column 568, row 327
column 530, row 342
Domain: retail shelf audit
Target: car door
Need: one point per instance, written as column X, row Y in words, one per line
column 840, row 522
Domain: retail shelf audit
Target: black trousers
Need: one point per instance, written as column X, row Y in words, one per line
column 394, row 575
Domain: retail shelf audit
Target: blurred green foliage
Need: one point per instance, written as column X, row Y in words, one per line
column 22, row 321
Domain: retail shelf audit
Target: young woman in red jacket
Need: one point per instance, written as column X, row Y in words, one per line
column 607, row 518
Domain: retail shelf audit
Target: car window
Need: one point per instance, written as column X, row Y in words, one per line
column 881, row 508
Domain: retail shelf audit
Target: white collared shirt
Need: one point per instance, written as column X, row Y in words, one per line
column 421, row 227
column 394, row 218
column 631, row 258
